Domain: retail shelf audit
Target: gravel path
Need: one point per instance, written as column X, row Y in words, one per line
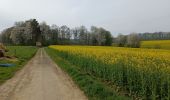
column 40, row 79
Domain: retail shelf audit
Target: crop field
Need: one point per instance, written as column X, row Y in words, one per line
column 21, row 55
column 144, row 73
column 157, row 44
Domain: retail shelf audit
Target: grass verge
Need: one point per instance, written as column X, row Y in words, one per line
column 22, row 54
column 92, row 87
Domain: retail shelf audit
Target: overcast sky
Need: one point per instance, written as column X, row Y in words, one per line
column 117, row 16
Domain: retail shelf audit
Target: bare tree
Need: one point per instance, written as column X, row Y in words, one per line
column 121, row 40
column 133, row 40
column 55, row 32
column 45, row 30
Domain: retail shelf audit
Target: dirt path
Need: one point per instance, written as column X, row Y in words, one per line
column 41, row 79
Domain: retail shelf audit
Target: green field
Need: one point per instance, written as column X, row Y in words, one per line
column 156, row 44
column 22, row 54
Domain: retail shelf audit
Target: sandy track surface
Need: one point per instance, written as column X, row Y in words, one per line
column 40, row 79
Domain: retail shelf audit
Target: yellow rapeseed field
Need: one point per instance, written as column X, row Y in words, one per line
column 142, row 57
column 157, row 44
column 145, row 72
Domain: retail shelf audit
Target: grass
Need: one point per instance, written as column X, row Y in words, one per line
column 22, row 54
column 95, row 88
column 156, row 44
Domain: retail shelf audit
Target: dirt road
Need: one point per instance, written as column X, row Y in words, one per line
column 41, row 79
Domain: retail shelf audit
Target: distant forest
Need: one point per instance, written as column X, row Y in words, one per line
column 155, row 36
column 31, row 31
column 133, row 39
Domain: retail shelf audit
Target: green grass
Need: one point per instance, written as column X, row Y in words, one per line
column 156, row 44
column 22, row 54
column 95, row 88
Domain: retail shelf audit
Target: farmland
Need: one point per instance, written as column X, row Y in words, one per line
column 156, row 44
column 142, row 73
column 21, row 55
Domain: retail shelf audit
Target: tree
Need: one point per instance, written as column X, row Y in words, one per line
column 64, row 35
column 5, row 36
column 100, row 36
column 121, row 40
column 17, row 35
column 20, row 24
column 36, row 32
column 75, row 33
column 133, row 40
column 82, row 35
column 94, row 37
column 109, row 39
column 54, row 33
column 45, row 33
column 32, row 31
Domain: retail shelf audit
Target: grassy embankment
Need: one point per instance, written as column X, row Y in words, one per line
column 22, row 54
column 156, row 44
column 94, row 87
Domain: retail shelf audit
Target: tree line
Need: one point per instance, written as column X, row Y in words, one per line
column 31, row 31
column 134, row 39
column 155, row 36
column 131, row 40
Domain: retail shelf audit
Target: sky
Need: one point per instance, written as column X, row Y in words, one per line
column 117, row 16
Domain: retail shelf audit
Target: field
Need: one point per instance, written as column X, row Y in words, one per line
column 142, row 73
column 22, row 54
column 157, row 44
column 93, row 87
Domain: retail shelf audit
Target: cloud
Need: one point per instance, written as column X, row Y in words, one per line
column 118, row 16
